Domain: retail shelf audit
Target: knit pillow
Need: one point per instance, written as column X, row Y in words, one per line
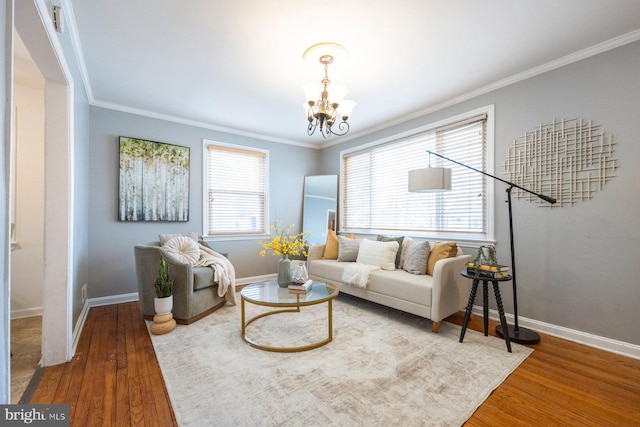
column 380, row 254
column 348, row 249
column 396, row 239
column 183, row 248
column 415, row 261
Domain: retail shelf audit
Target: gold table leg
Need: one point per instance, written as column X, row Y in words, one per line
column 286, row 349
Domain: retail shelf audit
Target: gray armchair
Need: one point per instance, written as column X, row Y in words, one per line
column 195, row 293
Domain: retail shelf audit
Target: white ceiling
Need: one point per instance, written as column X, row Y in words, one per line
column 237, row 64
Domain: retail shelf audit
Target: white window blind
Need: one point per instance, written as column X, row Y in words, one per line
column 236, row 191
column 375, row 195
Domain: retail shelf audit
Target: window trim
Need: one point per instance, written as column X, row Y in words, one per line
column 206, row 143
column 489, row 111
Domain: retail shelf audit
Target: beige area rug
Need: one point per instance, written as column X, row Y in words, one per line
column 383, row 368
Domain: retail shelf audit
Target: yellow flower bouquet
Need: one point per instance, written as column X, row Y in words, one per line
column 284, row 243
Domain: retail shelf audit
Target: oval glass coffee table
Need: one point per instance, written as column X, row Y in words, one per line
column 269, row 294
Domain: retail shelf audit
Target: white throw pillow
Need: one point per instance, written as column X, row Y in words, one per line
column 381, row 254
column 183, row 248
column 164, row 238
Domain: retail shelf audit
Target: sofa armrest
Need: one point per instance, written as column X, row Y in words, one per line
column 450, row 290
column 315, row 252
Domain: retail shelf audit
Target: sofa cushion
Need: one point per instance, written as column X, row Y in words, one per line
column 380, row 254
column 328, row 269
column 415, row 261
column 397, row 283
column 331, row 246
column 348, row 249
column 402, row 285
column 392, row 239
column 440, row 250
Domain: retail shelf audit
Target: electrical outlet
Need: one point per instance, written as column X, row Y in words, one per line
column 84, row 292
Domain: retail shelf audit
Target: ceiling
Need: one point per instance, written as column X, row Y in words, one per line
column 236, row 65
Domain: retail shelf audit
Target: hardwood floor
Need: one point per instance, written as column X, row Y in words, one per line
column 562, row 384
column 114, row 379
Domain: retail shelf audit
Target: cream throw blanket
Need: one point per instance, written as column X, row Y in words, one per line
column 356, row 274
column 224, row 273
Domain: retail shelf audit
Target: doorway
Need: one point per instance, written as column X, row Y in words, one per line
column 44, row 47
column 27, row 219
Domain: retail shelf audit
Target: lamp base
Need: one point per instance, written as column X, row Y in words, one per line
column 524, row 336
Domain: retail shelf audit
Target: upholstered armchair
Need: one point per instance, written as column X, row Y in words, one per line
column 195, row 293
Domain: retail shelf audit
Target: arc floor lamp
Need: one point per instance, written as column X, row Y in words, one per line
column 434, row 179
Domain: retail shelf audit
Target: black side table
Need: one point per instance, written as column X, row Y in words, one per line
column 485, row 304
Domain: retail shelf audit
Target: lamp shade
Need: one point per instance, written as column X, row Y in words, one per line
column 429, row 180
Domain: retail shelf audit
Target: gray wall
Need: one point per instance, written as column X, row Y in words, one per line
column 111, row 242
column 575, row 264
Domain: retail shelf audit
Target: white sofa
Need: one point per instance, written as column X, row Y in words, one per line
column 434, row 297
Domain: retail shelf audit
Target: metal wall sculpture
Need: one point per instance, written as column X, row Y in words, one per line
column 568, row 159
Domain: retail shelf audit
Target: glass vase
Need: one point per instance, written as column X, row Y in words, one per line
column 299, row 275
column 284, row 271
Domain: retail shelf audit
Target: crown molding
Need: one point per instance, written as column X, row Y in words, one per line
column 597, row 49
column 588, row 52
column 195, row 123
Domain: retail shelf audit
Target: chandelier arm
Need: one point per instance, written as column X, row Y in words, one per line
column 343, row 126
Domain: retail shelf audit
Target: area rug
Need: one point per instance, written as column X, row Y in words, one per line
column 383, row 367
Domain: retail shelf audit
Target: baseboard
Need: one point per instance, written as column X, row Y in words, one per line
column 591, row 340
column 77, row 330
column 112, row 299
column 26, row 312
column 253, row 279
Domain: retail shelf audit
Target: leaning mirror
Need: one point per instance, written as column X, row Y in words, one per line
column 319, row 206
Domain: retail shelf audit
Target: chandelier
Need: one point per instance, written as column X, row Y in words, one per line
column 323, row 109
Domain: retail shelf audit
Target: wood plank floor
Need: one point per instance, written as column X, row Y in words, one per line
column 115, row 380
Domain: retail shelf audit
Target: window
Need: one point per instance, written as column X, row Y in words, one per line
column 375, row 198
column 235, row 190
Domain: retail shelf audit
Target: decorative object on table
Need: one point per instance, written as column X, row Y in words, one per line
column 285, row 244
column 486, row 264
column 299, row 275
column 568, row 158
column 163, row 321
column 324, row 109
column 301, row 287
column 154, row 181
column 486, row 255
column 489, row 271
column 418, row 181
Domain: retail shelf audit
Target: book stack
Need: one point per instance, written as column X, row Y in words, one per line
column 300, row 287
column 489, row 271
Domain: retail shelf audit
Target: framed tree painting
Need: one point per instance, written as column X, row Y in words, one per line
column 154, row 181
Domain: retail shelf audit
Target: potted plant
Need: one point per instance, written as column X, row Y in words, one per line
column 163, row 302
